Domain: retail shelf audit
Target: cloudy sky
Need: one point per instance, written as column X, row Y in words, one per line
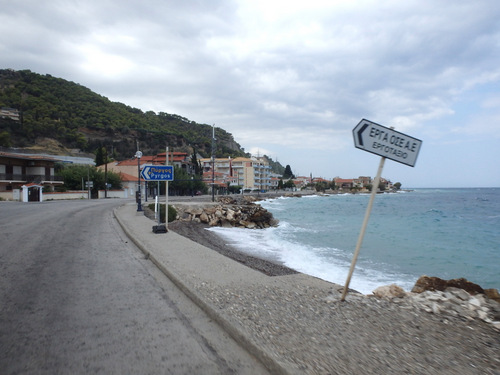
column 288, row 78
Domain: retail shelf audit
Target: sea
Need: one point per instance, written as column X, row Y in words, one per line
column 448, row 233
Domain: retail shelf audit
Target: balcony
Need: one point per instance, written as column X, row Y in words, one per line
column 27, row 178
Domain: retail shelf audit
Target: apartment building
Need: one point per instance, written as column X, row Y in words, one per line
column 250, row 173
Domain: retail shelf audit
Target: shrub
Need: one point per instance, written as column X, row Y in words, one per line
column 172, row 212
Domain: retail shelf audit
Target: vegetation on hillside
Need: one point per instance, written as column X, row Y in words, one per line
column 78, row 118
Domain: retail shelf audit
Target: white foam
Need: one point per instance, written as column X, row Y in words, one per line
column 329, row 264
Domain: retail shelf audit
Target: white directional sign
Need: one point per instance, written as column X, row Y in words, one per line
column 386, row 142
column 158, row 173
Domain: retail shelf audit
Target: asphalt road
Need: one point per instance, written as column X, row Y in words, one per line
column 77, row 297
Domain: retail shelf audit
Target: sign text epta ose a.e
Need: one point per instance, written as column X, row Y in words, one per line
column 386, row 142
column 158, row 173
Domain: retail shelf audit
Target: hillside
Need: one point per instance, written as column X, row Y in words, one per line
column 54, row 115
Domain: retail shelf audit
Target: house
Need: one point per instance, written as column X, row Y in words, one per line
column 132, row 166
column 343, row 183
column 130, row 169
column 10, row 113
column 24, row 177
column 129, row 183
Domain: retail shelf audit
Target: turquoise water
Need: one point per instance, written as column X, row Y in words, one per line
column 448, row 233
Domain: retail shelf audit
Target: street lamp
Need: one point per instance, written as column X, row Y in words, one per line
column 138, row 155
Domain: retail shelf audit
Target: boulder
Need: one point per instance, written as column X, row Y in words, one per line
column 226, row 200
column 250, row 199
column 431, row 283
column 210, row 210
column 230, row 214
column 260, row 215
column 204, row 217
column 389, row 291
column 492, row 294
column 247, row 224
column 195, row 211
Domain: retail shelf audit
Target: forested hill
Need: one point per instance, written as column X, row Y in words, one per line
column 68, row 116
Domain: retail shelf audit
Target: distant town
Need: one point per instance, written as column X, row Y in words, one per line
column 24, row 177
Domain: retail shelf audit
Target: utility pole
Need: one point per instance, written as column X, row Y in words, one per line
column 213, row 163
column 106, row 173
column 138, row 155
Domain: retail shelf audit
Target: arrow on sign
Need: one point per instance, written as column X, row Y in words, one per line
column 388, row 143
column 360, row 132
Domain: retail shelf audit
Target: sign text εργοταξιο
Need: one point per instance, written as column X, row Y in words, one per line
column 394, row 140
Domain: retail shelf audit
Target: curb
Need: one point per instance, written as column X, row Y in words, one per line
column 232, row 329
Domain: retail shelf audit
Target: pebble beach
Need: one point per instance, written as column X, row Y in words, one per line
column 307, row 329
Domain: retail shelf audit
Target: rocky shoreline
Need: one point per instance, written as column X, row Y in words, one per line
column 431, row 295
column 446, row 331
column 450, row 301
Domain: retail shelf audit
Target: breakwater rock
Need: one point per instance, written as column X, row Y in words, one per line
column 228, row 213
column 447, row 300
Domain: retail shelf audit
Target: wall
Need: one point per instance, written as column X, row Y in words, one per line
column 72, row 194
column 114, row 194
column 6, row 195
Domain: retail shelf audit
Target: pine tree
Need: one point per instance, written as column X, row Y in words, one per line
column 288, row 173
column 99, row 156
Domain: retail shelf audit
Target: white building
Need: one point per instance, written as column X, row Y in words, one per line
column 249, row 173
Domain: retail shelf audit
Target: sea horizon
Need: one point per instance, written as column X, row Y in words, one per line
column 443, row 232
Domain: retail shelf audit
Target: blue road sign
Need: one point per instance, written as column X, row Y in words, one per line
column 158, row 173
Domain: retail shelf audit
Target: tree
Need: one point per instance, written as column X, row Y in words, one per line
column 234, row 189
column 321, row 186
column 288, row 173
column 73, row 175
column 5, row 139
column 397, row 185
column 198, row 170
column 184, row 184
column 99, row 156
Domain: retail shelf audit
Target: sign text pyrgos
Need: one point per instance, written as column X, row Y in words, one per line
column 158, row 173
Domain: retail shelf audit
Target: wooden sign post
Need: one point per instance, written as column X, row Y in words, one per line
column 390, row 144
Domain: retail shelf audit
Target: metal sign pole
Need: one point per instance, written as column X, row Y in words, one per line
column 158, row 203
column 166, row 195
column 376, row 183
